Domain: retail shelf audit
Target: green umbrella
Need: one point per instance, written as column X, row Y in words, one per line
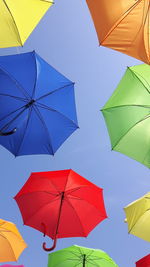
column 127, row 114
column 76, row 256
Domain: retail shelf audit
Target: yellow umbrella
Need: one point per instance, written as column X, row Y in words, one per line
column 138, row 217
column 18, row 18
column 11, row 242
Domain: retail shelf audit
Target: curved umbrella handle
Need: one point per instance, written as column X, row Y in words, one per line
column 53, row 246
column 8, row 133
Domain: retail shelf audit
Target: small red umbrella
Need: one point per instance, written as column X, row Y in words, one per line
column 61, row 204
column 144, row 262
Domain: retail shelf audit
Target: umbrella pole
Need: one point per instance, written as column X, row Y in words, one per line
column 59, row 214
column 84, row 256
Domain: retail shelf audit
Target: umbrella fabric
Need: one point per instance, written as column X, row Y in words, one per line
column 11, row 242
column 37, row 111
column 61, row 204
column 138, row 217
column 144, row 262
column 19, row 18
column 123, row 26
column 81, row 257
column 127, row 115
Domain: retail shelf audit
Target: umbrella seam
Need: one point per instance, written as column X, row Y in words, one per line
column 10, row 122
column 120, row 20
column 33, row 192
column 45, row 127
column 4, row 1
column 35, row 213
column 77, row 216
column 54, row 110
column 57, row 89
column 136, row 75
column 142, row 26
column 136, row 222
column 16, row 97
column 35, row 82
column 122, row 106
column 4, row 117
column 102, row 216
column 117, row 142
column 9, row 245
column 27, row 123
column 51, row 2
column 19, row 86
column 53, row 184
column 146, row 156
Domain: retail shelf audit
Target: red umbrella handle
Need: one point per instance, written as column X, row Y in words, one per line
column 44, row 226
column 50, row 249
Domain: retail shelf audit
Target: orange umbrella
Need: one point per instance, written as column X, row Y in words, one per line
column 11, row 242
column 123, row 25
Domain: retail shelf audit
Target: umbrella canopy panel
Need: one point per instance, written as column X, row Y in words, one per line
column 127, row 115
column 19, row 18
column 38, row 110
column 144, row 262
column 138, row 217
column 11, row 242
column 123, row 26
column 81, row 256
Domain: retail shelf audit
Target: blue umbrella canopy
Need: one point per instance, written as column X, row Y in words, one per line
column 37, row 103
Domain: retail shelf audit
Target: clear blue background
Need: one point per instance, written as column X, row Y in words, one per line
column 66, row 39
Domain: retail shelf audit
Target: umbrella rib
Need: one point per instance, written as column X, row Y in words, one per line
column 45, row 127
column 16, row 97
column 4, row 117
column 89, row 204
column 13, row 21
column 102, row 216
column 34, row 192
column 27, row 123
column 9, row 123
column 33, row 214
column 136, row 75
column 55, row 90
column 146, row 155
column 91, row 262
column 148, row 116
column 35, row 82
column 75, row 254
column 9, row 245
column 122, row 106
column 120, row 20
column 51, row 183
column 142, row 24
column 48, row 1
column 134, row 225
column 76, row 215
column 19, row 86
column 54, row 110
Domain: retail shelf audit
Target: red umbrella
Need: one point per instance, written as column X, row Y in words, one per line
column 61, row 204
column 144, row 262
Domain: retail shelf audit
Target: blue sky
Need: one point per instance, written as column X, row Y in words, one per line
column 67, row 40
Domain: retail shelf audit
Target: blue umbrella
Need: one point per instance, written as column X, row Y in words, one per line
column 37, row 105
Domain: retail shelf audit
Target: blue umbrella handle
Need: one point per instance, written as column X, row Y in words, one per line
column 53, row 246
column 8, row 133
